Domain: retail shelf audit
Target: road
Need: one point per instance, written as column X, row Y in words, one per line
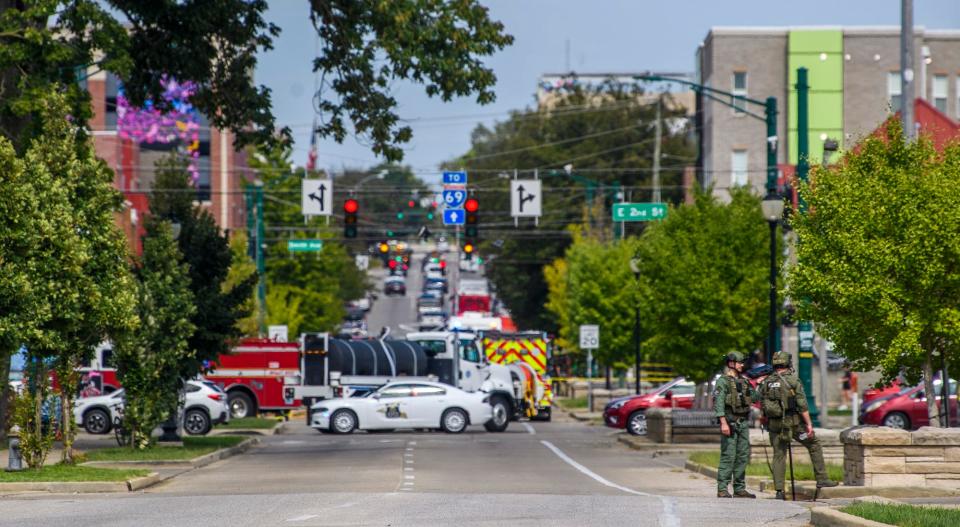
column 559, row 473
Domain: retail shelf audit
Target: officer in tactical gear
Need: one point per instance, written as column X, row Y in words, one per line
column 784, row 404
column 733, row 396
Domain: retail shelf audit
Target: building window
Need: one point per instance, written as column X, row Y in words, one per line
column 940, row 92
column 894, row 97
column 739, row 89
column 738, row 168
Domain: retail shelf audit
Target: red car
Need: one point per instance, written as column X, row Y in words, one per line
column 629, row 412
column 906, row 409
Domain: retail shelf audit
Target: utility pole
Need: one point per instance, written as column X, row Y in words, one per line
column 656, row 153
column 906, row 69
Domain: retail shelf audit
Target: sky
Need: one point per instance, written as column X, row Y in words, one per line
column 603, row 36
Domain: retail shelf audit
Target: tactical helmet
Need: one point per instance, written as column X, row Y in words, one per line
column 781, row 358
column 734, row 356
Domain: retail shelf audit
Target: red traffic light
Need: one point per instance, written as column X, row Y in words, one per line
column 351, row 206
column 392, row 264
column 411, row 204
column 443, row 264
column 471, row 205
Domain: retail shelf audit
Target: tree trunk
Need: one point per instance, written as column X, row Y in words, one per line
column 932, row 407
column 69, row 385
column 4, row 392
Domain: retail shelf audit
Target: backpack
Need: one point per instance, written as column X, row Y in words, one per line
column 775, row 390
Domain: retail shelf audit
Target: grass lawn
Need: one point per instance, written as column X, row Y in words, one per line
column 259, row 423
column 801, row 471
column 192, row 447
column 848, row 412
column 573, row 403
column 71, row 473
column 905, row 515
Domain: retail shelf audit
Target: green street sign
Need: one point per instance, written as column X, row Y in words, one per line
column 304, row 245
column 639, row 211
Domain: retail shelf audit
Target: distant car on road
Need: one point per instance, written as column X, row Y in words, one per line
column 630, row 412
column 396, row 405
column 394, row 285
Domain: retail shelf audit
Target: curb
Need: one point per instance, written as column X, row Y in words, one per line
column 662, row 449
column 277, row 429
column 72, row 487
column 844, row 491
column 829, row 517
column 197, row 462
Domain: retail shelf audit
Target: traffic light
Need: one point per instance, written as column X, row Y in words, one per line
column 468, row 249
column 472, row 208
column 350, row 208
column 383, row 248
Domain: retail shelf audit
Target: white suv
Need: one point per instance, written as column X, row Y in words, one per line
column 206, row 405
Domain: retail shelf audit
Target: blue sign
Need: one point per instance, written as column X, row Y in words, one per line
column 453, row 199
column 454, row 178
column 453, row 217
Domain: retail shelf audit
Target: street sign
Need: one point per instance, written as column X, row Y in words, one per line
column 639, row 211
column 278, row 333
column 454, row 178
column 304, row 245
column 589, row 337
column 453, row 217
column 453, row 199
column 525, row 198
column 316, row 197
column 362, row 261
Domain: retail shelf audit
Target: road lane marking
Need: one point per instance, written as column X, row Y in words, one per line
column 303, row 518
column 407, row 468
column 529, row 428
column 667, row 519
column 409, row 476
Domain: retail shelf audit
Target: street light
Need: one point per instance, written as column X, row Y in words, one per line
column 635, row 267
column 772, row 207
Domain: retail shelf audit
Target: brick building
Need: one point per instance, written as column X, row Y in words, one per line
column 220, row 170
column 854, row 83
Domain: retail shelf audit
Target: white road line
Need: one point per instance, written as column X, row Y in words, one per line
column 667, row 518
column 529, row 428
column 303, row 518
column 409, row 476
column 410, row 449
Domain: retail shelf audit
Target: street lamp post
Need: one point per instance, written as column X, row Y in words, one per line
column 772, row 207
column 635, row 267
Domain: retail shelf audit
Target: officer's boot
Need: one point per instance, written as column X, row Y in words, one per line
column 826, row 483
column 743, row 494
column 723, row 494
column 781, row 495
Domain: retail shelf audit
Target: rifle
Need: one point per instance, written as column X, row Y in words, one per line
column 759, row 371
column 793, row 486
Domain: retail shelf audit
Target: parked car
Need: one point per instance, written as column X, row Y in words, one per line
column 630, row 412
column 906, row 409
column 404, row 405
column 432, row 317
column 394, row 285
column 205, row 405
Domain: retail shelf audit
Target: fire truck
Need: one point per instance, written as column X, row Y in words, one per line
column 528, row 353
column 254, row 374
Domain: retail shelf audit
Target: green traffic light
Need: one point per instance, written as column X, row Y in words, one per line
column 429, row 215
column 390, row 234
column 399, row 215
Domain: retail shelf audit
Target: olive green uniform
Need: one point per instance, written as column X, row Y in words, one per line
column 732, row 399
column 783, row 403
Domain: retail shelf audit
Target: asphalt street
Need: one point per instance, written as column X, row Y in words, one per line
column 559, row 473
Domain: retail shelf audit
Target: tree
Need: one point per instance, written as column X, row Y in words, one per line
column 208, row 257
column 77, row 282
column 150, row 361
column 214, row 43
column 879, row 253
column 242, row 268
column 593, row 284
column 704, row 283
column 607, row 136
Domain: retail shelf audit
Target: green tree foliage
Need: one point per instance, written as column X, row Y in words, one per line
column 879, row 253
column 150, row 361
column 607, row 135
column 206, row 252
column 36, row 438
column 593, row 284
column 365, row 47
column 78, row 265
column 321, row 282
column 242, row 268
column 705, row 283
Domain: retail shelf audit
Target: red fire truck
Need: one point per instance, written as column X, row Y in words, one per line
column 254, row 373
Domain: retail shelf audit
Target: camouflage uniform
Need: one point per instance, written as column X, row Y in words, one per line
column 783, row 403
column 732, row 399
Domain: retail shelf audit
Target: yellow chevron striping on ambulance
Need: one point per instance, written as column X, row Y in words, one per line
column 531, row 350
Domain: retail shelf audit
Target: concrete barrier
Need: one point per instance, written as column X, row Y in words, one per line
column 881, row 456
